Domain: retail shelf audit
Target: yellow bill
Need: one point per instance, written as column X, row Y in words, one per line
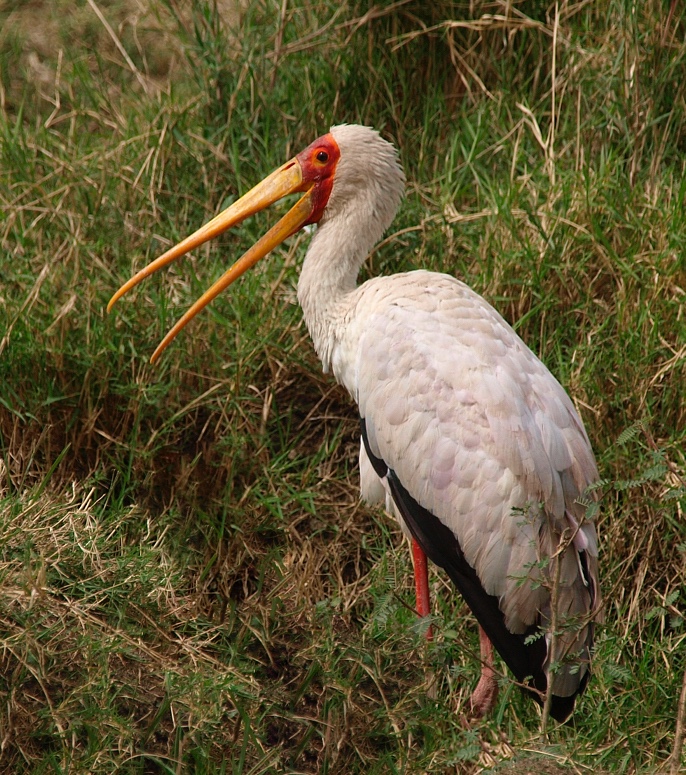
column 288, row 179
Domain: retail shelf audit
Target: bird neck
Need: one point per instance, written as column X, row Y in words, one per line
column 328, row 280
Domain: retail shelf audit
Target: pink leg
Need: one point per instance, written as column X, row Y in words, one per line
column 421, row 584
column 486, row 693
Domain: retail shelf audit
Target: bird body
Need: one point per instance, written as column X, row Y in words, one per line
column 466, row 436
column 480, row 435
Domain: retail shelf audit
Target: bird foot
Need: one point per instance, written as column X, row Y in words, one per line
column 484, row 696
column 486, row 693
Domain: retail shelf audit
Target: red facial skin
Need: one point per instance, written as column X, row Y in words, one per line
column 318, row 163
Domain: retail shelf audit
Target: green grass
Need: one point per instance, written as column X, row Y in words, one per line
column 188, row 581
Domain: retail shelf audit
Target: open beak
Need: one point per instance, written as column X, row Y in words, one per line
column 288, row 179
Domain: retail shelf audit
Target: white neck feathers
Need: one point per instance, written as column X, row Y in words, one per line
column 367, row 189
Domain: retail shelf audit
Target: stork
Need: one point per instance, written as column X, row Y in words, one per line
column 466, row 437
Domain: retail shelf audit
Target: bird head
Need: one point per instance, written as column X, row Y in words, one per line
column 336, row 169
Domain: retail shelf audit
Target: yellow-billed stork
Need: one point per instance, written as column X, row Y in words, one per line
column 466, row 436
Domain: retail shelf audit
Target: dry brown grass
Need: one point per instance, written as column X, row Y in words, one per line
column 64, row 653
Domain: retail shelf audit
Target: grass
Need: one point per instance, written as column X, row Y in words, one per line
column 188, row 580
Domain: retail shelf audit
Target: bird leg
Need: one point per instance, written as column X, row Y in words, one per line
column 486, row 693
column 421, row 584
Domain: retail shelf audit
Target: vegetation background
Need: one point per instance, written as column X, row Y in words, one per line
column 188, row 582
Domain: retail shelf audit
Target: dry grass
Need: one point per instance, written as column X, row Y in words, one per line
column 65, row 584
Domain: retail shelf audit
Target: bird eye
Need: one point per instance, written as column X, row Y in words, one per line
column 323, row 157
